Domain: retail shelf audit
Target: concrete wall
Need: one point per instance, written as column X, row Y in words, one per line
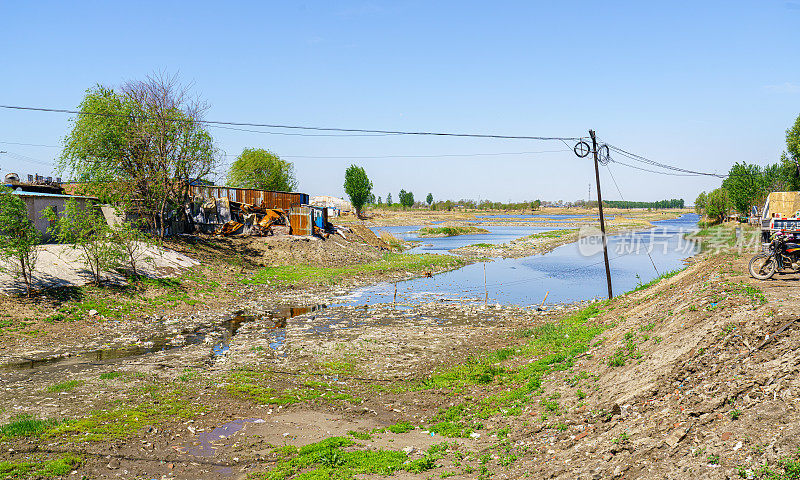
column 35, row 206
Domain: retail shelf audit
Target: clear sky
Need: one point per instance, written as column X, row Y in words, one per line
column 695, row 84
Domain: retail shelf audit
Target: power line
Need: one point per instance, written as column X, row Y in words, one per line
column 300, row 127
column 300, row 134
column 426, row 156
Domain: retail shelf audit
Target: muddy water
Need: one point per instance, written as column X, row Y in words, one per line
column 567, row 273
column 217, row 335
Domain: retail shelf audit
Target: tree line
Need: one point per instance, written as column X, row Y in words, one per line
column 660, row 204
column 748, row 185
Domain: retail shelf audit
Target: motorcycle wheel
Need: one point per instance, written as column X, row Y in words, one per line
column 762, row 266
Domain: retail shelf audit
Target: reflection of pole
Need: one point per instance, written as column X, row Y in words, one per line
column 395, row 293
column 600, row 206
column 485, row 289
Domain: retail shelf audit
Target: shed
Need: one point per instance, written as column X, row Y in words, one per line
column 35, row 202
column 262, row 198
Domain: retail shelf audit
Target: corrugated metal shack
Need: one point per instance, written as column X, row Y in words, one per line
column 261, row 198
column 237, row 210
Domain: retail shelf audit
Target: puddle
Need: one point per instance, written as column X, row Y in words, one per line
column 205, row 443
column 225, row 330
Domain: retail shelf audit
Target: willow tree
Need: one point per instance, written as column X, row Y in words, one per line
column 140, row 146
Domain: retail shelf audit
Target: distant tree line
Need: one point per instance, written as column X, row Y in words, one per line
column 660, row 204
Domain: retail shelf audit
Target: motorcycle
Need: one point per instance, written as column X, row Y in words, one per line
column 779, row 255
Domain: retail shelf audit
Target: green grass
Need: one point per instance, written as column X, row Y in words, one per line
column 360, row 435
column 663, row 276
column 253, row 385
column 552, row 234
column 305, row 274
column 552, row 347
column 788, row 468
column 449, row 231
column 24, row 426
column 64, row 386
column 154, row 404
column 41, row 468
column 328, row 459
column 110, row 375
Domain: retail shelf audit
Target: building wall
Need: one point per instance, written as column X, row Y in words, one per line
column 35, row 205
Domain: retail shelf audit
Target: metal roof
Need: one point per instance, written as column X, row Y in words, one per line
column 49, row 195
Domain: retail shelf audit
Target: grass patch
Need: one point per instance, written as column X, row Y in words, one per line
column 64, row 386
column 252, row 385
column 24, row 425
column 154, row 405
column 663, row 276
column 552, row 234
column 449, row 231
column 110, row 375
column 305, row 274
column 554, row 347
column 328, row 459
column 43, row 468
column 360, row 435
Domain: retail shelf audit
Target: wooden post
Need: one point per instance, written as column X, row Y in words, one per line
column 600, row 206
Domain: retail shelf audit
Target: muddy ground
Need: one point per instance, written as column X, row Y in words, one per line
column 692, row 377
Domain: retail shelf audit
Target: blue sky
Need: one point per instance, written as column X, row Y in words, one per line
column 695, row 84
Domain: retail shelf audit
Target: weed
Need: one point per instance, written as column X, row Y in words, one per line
column 360, row 435
column 713, row 459
column 328, row 459
column 306, row 274
column 503, row 432
column 735, row 414
column 24, row 425
column 400, row 427
column 580, row 394
column 621, row 438
column 449, row 231
column 110, row 375
column 64, row 386
column 40, row 468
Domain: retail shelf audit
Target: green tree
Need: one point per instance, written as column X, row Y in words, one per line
column 536, row 204
column 132, row 242
column 718, row 204
column 84, row 228
column 429, row 199
column 389, row 199
column 406, row 199
column 379, row 200
column 140, row 146
column 745, row 186
column 357, row 186
column 18, row 238
column 262, row 170
column 700, row 203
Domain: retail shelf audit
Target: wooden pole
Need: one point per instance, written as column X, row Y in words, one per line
column 600, row 207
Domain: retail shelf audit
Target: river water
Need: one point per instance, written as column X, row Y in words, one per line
column 567, row 273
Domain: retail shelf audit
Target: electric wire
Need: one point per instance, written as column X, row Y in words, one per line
column 623, row 199
column 300, row 127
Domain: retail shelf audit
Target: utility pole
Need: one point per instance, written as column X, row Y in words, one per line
column 600, row 206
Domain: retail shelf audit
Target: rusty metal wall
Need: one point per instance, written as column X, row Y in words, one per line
column 300, row 221
column 265, row 198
